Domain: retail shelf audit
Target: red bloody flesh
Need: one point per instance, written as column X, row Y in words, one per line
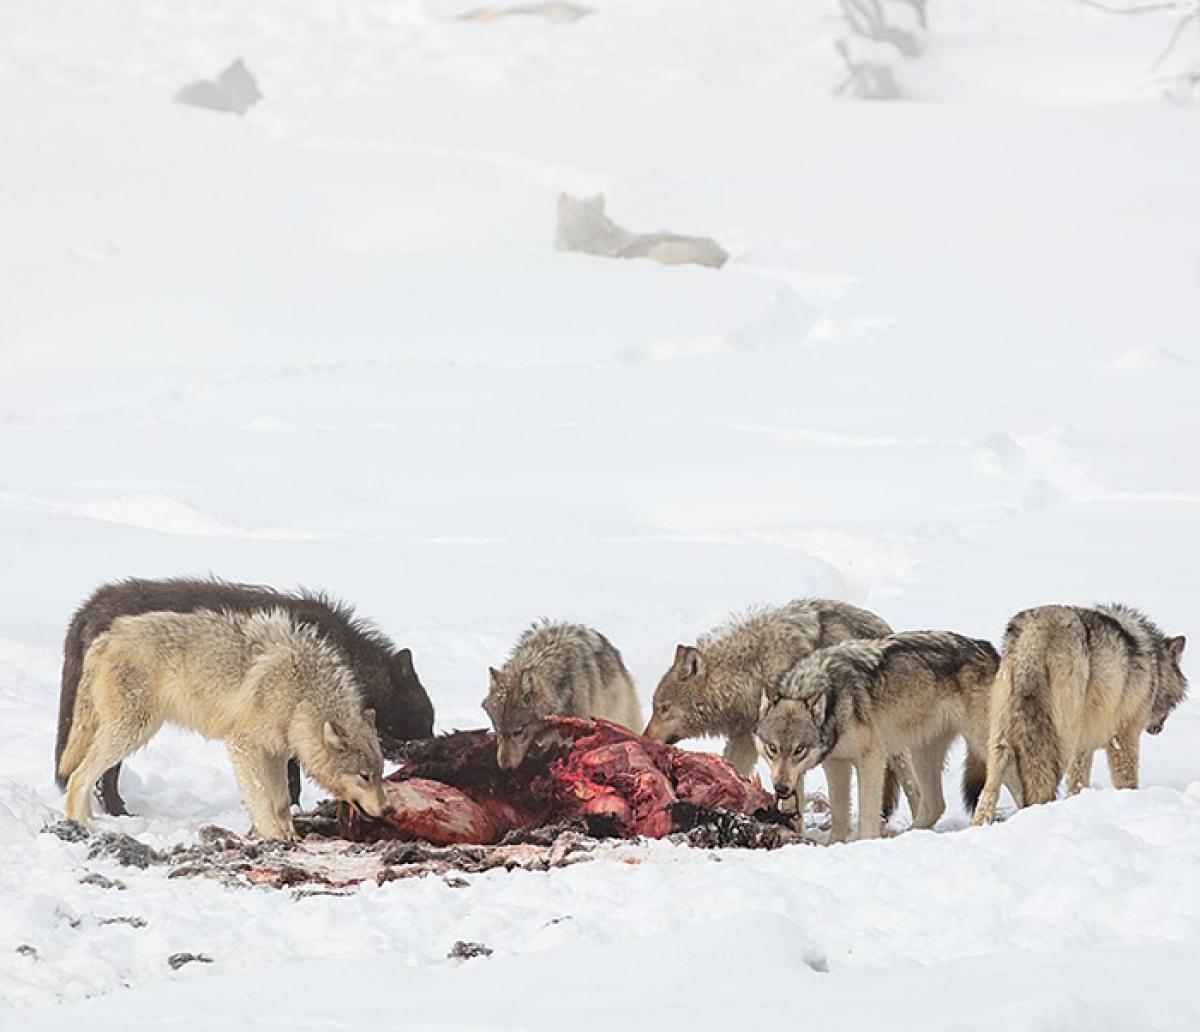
column 451, row 791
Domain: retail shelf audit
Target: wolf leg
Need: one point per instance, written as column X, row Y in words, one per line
column 262, row 788
column 837, row 773
column 112, row 743
column 109, row 793
column 278, row 774
column 902, row 765
column 999, row 755
column 293, row 779
column 1122, row 750
column 1079, row 774
column 870, row 769
column 930, row 761
column 741, row 751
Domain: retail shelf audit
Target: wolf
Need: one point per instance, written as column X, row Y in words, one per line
column 562, row 670
column 1074, row 679
column 717, row 686
column 385, row 674
column 268, row 685
column 583, row 226
column 860, row 702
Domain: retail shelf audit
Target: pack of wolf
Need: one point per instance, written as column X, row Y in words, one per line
column 292, row 680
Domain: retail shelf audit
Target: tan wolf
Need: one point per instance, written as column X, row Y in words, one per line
column 557, row 669
column 861, row 702
column 1074, row 680
column 270, row 687
column 583, row 226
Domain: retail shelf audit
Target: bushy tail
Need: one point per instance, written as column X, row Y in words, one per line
column 1032, row 733
column 72, row 670
column 82, row 726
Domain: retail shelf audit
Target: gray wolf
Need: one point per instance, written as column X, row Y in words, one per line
column 717, row 686
column 861, row 702
column 385, row 674
column 234, row 90
column 583, row 226
column 268, row 686
column 561, row 670
column 1073, row 680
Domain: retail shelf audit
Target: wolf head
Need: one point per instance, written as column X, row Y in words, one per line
column 517, row 702
column 676, row 714
column 791, row 737
column 404, row 713
column 344, row 758
column 1171, row 684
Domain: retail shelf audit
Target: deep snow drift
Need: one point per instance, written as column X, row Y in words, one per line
column 949, row 371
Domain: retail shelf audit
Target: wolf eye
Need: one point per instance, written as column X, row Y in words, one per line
column 664, row 709
column 365, row 777
column 800, row 751
column 772, row 750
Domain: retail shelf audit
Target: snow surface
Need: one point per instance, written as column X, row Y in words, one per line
column 949, row 372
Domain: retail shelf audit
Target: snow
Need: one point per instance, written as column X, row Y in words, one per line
column 949, row 372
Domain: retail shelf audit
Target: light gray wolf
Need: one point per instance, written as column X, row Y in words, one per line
column 717, row 686
column 268, row 686
column 234, row 90
column 553, row 11
column 583, row 226
column 561, row 670
column 385, row 674
column 1074, row 680
column 861, row 702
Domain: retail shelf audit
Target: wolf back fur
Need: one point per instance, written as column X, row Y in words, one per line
column 583, row 227
column 1075, row 679
column 269, row 687
column 860, row 702
column 562, row 670
column 388, row 681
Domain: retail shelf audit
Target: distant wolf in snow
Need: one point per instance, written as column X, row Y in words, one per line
column 270, row 687
column 562, row 670
column 385, row 674
column 583, row 226
column 860, row 702
column 1074, row 680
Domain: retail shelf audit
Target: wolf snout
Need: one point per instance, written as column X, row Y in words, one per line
column 783, row 791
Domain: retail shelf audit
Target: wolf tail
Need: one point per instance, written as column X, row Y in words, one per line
column 82, row 724
column 1032, row 733
column 74, row 648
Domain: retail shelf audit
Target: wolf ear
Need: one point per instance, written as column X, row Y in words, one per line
column 369, row 716
column 404, row 664
column 688, row 661
column 1176, row 646
column 495, row 678
column 333, row 737
column 816, row 706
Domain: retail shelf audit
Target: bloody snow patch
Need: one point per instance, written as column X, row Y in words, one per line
column 452, row 791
